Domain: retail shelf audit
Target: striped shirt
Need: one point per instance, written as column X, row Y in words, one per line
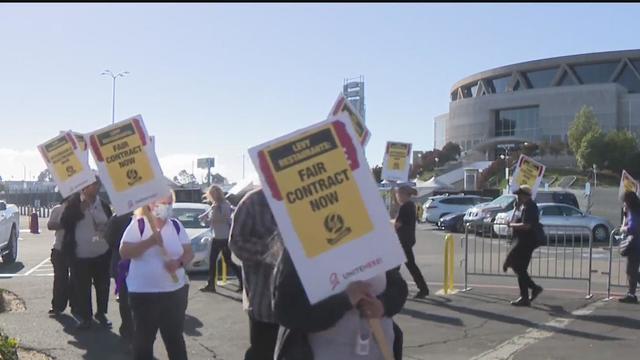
column 251, row 239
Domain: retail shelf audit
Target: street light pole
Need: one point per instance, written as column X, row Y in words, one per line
column 113, row 99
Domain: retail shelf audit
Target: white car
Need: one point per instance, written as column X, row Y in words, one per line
column 9, row 228
column 438, row 206
column 198, row 231
column 559, row 215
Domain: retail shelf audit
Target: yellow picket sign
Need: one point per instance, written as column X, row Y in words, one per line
column 314, row 179
column 60, row 153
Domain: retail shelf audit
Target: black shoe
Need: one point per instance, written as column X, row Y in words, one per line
column 208, row 288
column 629, row 299
column 521, row 302
column 535, row 292
column 422, row 294
column 54, row 312
column 83, row 324
column 102, row 319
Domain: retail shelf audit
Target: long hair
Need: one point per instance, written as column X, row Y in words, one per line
column 139, row 212
column 212, row 191
column 631, row 200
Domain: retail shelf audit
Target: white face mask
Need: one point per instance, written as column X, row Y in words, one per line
column 162, row 211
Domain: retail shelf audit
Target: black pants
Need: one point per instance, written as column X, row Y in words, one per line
column 85, row 272
column 520, row 265
column 262, row 336
column 62, row 282
column 159, row 311
column 217, row 246
column 633, row 263
column 414, row 270
column 126, row 326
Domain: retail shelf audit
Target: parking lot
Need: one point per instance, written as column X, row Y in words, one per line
column 477, row 324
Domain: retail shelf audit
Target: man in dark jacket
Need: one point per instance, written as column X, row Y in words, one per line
column 113, row 235
column 525, row 232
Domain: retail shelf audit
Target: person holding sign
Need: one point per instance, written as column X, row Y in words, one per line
column 631, row 229
column 336, row 327
column 157, row 301
column 526, row 230
column 405, row 224
column 62, row 282
column 83, row 220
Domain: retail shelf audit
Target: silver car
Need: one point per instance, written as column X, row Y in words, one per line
column 198, row 231
column 559, row 215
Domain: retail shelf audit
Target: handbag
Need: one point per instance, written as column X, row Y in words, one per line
column 541, row 237
column 626, row 245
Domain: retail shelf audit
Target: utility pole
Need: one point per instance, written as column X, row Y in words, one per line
column 113, row 98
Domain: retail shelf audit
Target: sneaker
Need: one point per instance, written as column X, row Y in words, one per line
column 629, row 299
column 208, row 288
column 421, row 294
column 54, row 312
column 521, row 302
column 535, row 292
column 102, row 319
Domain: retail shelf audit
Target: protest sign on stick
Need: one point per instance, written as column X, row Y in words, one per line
column 528, row 172
column 627, row 183
column 342, row 104
column 396, row 162
column 65, row 161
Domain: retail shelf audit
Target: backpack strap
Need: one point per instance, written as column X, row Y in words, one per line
column 176, row 225
column 141, row 226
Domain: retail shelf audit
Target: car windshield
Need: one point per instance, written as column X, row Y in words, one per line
column 189, row 218
column 502, row 201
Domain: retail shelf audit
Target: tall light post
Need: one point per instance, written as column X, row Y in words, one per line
column 435, row 170
column 506, row 157
column 114, row 77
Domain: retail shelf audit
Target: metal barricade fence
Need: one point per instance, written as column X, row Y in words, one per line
column 617, row 274
column 567, row 255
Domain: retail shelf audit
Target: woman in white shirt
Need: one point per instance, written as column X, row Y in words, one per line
column 219, row 216
column 157, row 282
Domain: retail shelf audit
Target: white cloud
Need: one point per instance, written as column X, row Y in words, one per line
column 18, row 165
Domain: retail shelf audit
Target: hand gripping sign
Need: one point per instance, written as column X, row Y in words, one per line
column 528, row 172
column 65, row 161
column 342, row 104
column 327, row 207
column 627, row 183
column 396, row 162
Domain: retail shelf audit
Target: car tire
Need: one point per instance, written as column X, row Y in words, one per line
column 600, row 233
column 460, row 226
column 11, row 255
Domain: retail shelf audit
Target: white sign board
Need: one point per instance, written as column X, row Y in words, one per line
column 627, row 183
column 65, row 161
column 327, row 206
column 397, row 162
column 128, row 165
column 342, row 104
column 528, row 172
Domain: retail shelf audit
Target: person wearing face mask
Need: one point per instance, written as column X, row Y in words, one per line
column 83, row 221
column 157, row 281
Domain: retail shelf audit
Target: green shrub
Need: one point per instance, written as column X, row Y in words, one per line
column 8, row 348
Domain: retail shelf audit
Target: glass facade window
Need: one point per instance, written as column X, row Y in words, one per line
column 520, row 122
column 466, row 92
column 540, row 78
column 517, row 86
column 566, row 80
column 474, row 90
column 595, row 73
column 629, row 80
column 636, row 64
column 454, row 95
column 499, row 85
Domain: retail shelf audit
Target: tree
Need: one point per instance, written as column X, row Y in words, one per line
column 529, row 149
column 377, row 173
column 185, row 178
column 45, row 176
column 620, row 145
column 450, row 152
column 556, row 148
column 593, row 150
column 584, row 123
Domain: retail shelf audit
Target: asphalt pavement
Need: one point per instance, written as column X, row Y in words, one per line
column 475, row 324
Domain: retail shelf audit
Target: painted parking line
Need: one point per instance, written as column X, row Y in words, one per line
column 511, row 347
column 35, row 268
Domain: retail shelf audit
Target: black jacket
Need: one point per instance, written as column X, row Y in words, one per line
column 70, row 217
column 113, row 235
column 298, row 317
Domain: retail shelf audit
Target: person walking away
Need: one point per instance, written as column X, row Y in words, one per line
column 62, row 282
column 119, row 268
column 405, row 224
column 157, row 301
column 83, row 220
column 253, row 234
column 631, row 227
column 525, row 232
column 219, row 217
column 338, row 326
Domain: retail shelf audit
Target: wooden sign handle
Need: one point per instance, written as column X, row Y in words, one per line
column 378, row 334
column 145, row 212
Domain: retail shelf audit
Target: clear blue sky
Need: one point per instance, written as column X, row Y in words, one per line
column 216, row 79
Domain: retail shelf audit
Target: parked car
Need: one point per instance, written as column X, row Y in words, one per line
column 561, row 215
column 9, row 229
column 483, row 215
column 198, row 231
column 438, row 206
column 453, row 222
